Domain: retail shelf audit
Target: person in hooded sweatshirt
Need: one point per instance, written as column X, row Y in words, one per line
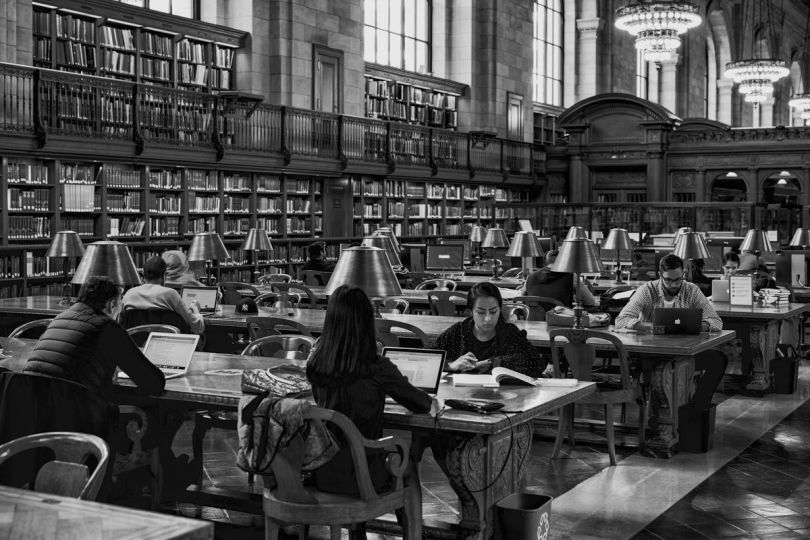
column 559, row 285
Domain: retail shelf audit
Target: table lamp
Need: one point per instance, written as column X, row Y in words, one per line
column 801, row 238
column 383, row 241
column 691, row 246
column 576, row 232
column 526, row 246
column 369, row 269
column 66, row 245
column 208, row 247
column 256, row 241
column 577, row 256
column 679, row 232
column 477, row 235
column 495, row 238
column 756, row 242
column 388, row 231
column 110, row 259
column 618, row 239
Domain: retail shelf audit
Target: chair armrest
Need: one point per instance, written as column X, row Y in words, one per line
column 134, row 433
column 398, row 448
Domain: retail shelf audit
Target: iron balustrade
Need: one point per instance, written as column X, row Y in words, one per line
column 17, row 91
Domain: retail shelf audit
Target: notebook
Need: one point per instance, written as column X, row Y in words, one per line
column 677, row 320
column 720, row 290
column 205, row 296
column 171, row 352
column 422, row 367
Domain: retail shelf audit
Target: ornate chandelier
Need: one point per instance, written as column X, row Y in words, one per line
column 756, row 77
column 657, row 26
column 801, row 102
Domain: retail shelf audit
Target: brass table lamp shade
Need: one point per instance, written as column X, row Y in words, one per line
column 66, row 245
column 477, row 233
column 365, row 267
column 207, row 246
column 389, row 232
column 801, row 238
column 756, row 241
column 495, row 238
column 691, row 245
column 526, row 246
column 618, row 239
column 577, row 256
column 576, row 232
column 679, row 232
column 257, row 240
column 107, row 258
column 383, row 241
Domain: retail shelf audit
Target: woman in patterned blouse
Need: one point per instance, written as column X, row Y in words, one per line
column 485, row 340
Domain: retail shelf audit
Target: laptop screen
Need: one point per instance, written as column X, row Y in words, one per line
column 170, row 352
column 422, row 367
column 205, row 296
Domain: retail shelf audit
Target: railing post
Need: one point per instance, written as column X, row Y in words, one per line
column 469, row 156
column 389, row 157
column 434, row 169
column 216, row 141
column 344, row 162
column 137, row 137
column 39, row 128
column 504, row 165
column 285, row 150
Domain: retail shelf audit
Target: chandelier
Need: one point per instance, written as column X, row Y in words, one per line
column 657, row 26
column 756, row 77
column 801, row 102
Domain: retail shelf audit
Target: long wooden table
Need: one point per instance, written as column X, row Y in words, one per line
column 479, row 445
column 27, row 514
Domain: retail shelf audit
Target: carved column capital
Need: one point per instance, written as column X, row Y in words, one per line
column 590, row 26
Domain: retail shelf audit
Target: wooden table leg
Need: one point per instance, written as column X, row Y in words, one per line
column 483, row 470
column 671, row 385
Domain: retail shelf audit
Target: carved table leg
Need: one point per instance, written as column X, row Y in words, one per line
column 671, row 385
column 472, row 463
column 763, row 338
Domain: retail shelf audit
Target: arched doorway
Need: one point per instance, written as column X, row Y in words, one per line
column 781, row 196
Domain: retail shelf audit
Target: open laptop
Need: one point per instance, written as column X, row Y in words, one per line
column 677, row 320
column 206, row 296
column 171, row 352
column 422, row 367
column 720, row 290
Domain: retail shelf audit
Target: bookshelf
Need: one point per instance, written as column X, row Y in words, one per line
column 80, row 196
column 124, row 202
column 147, row 47
column 203, row 201
column 399, row 101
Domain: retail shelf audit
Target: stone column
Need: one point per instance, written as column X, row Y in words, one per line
column 766, row 112
column 587, row 63
column 653, row 83
column 755, row 111
column 669, row 88
column 724, row 87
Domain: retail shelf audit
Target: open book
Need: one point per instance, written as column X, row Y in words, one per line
column 507, row 377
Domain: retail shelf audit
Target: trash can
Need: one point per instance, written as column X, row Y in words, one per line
column 785, row 374
column 524, row 516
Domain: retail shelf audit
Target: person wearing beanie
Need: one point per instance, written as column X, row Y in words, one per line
column 177, row 269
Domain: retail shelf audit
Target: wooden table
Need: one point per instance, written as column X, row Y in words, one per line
column 417, row 297
column 29, row 515
column 598, row 286
column 478, row 445
column 467, row 282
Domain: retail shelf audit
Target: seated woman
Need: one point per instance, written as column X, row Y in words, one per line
column 348, row 376
column 485, row 340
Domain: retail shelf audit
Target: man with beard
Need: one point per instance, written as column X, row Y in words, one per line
column 669, row 291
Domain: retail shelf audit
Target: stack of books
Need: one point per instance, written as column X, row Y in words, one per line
column 776, row 297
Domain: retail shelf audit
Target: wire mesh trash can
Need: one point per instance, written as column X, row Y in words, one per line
column 524, row 516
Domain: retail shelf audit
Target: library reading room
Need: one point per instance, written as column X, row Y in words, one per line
column 560, row 247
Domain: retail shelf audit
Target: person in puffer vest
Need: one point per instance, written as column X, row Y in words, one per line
column 85, row 344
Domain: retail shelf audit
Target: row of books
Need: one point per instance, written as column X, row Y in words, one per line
column 29, row 227
column 236, row 225
column 165, row 203
column 268, row 183
column 202, row 224
column 293, row 185
column 164, row 226
column 28, row 199
column 129, row 201
column 192, row 74
column 271, row 225
column 42, row 50
column 223, row 57
column 42, row 22
column 79, row 198
column 118, row 62
column 236, row 182
column 122, row 178
column 70, row 27
column 167, row 179
column 368, row 210
column 201, row 180
column 154, row 68
column 189, row 51
column 10, row 266
column 269, row 204
column 125, row 226
column 76, row 174
column 75, row 54
column 221, row 78
column 42, row 266
column 299, row 225
column 121, row 38
column 156, row 44
column 236, row 204
column 84, row 226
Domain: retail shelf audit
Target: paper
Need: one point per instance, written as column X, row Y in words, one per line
column 741, row 290
column 467, row 379
column 558, row 382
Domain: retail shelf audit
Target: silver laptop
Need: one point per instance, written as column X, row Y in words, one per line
column 205, row 296
column 422, row 367
column 720, row 290
column 171, row 353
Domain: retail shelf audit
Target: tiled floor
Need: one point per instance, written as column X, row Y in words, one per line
column 755, row 483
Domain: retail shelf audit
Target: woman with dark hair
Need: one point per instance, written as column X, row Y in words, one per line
column 485, row 340
column 348, row 376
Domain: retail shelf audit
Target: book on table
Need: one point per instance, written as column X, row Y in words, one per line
column 502, row 376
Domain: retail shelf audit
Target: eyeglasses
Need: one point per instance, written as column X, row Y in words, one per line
column 671, row 281
column 730, row 268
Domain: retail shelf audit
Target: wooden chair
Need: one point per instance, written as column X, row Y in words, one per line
column 31, row 326
column 388, row 338
column 392, row 305
column 515, row 312
column 437, row 285
column 274, row 278
column 140, row 333
column 290, row 501
column 512, row 272
column 441, row 302
column 277, row 300
column 300, row 290
column 581, row 356
column 269, row 326
column 538, row 305
column 68, row 473
column 230, row 291
column 166, row 318
column 314, row 278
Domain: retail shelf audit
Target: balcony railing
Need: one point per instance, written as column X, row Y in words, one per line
column 45, row 103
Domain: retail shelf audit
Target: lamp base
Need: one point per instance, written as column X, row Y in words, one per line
column 578, row 316
column 66, row 298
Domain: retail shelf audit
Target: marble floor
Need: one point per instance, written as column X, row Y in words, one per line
column 754, row 483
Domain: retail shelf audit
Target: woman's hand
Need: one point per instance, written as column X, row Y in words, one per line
column 436, row 406
column 483, row 366
column 465, row 362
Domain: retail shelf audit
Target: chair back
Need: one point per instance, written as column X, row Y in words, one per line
column 437, row 285
column 446, row 302
column 231, row 294
column 279, row 300
column 314, row 278
column 130, row 318
column 581, row 355
column 291, row 347
column 273, row 326
column 300, row 290
column 407, row 335
column 512, row 272
column 538, row 305
column 515, row 312
column 558, row 285
column 35, row 327
column 274, row 278
column 392, row 305
column 68, row 473
column 140, row 333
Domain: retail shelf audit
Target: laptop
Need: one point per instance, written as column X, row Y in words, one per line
column 423, row 367
column 206, row 296
column 677, row 320
column 720, row 290
column 171, row 352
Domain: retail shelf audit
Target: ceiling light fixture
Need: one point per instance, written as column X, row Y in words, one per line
column 658, row 26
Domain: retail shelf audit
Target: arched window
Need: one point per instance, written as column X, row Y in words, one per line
column 728, row 187
column 548, row 42
column 397, row 34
